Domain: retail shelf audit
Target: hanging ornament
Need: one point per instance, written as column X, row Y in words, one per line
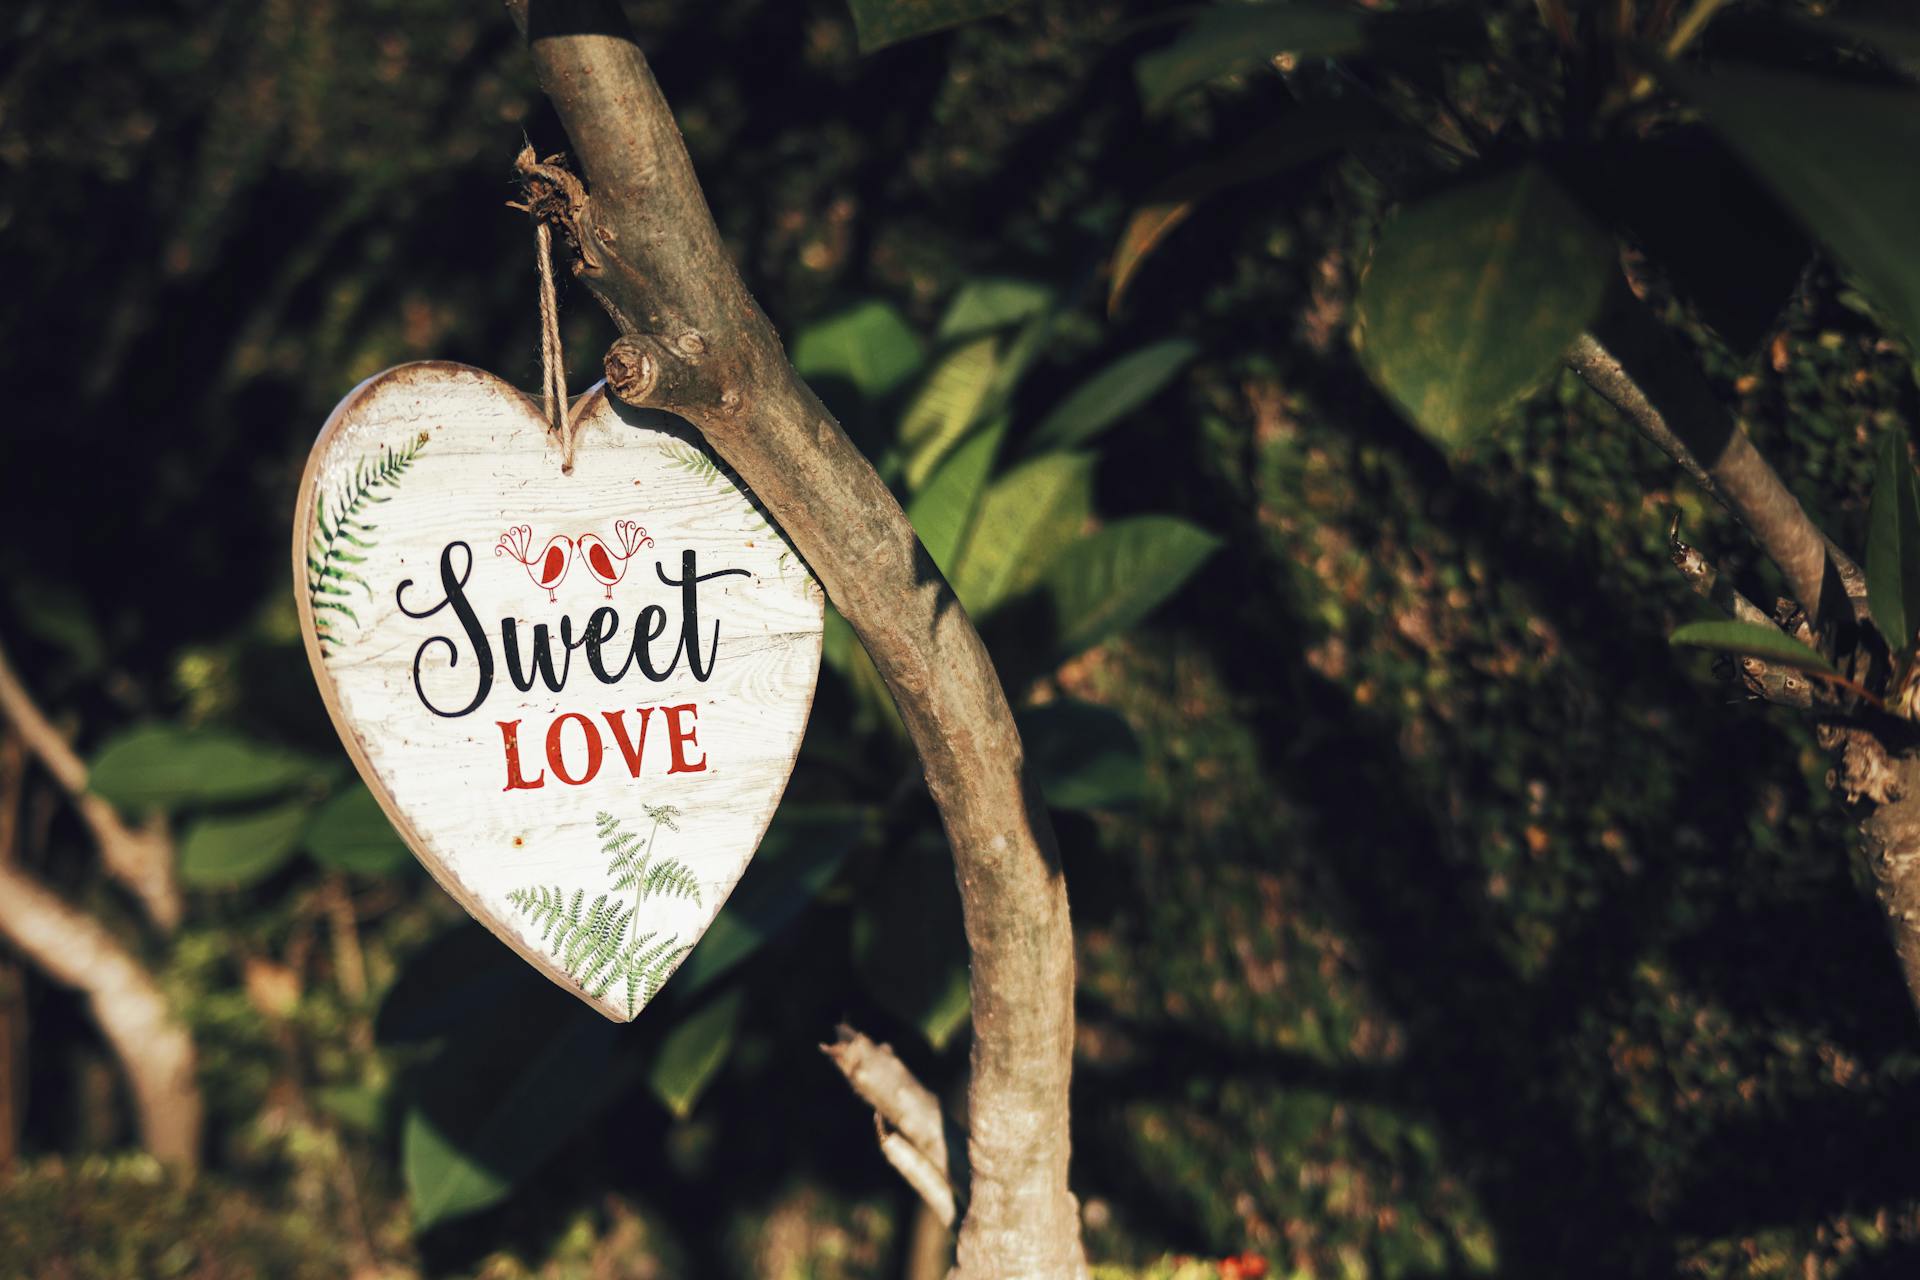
column 573, row 664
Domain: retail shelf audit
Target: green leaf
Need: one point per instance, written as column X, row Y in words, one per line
column 1751, row 638
column 884, row 22
column 1842, row 157
column 1106, row 583
column 1085, row 756
column 357, row 1107
column 1112, row 394
column 796, row 861
column 693, row 1051
column 947, row 403
column 908, row 943
column 167, row 767
column 988, row 306
column 350, row 833
column 869, row 345
column 942, row 511
column 1026, row 519
column 462, row 1158
column 230, row 851
column 1893, row 546
column 1475, row 294
column 1238, row 37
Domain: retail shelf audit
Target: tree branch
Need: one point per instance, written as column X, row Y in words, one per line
column 696, row 344
column 1632, row 362
column 154, row 1049
column 140, row 858
column 911, row 1124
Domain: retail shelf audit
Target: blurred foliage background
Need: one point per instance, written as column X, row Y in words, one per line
column 1434, row 918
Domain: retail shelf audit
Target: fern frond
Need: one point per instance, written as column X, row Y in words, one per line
column 671, row 879
column 649, row 966
column 338, row 519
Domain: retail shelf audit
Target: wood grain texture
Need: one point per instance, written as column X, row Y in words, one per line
column 408, row 513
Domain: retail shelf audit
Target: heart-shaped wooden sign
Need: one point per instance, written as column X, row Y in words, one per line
column 577, row 696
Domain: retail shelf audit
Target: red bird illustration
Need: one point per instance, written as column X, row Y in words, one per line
column 546, row 569
column 607, row 565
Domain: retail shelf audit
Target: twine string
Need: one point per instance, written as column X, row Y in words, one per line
column 553, row 365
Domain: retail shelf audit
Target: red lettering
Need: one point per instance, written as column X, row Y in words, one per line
column 679, row 736
column 630, row 750
column 510, row 737
column 557, row 761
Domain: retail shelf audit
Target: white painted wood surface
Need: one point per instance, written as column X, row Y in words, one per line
column 427, row 456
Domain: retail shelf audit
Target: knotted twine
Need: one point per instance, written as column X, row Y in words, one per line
column 553, row 364
column 550, row 192
column 552, row 359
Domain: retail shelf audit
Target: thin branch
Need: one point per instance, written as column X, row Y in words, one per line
column 1709, row 583
column 695, row 343
column 920, row 1173
column 1631, row 361
column 154, row 1049
column 140, row 858
column 876, row 1073
column 906, row 1115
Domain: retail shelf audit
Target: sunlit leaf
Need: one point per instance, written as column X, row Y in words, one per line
column 946, row 404
column 1236, row 37
column 869, row 345
column 1475, row 294
column 231, row 851
column 1893, row 546
column 166, row 766
column 1109, row 581
column 1085, row 756
column 1112, row 394
column 1026, row 519
column 884, row 22
column 1842, row 157
column 942, row 511
column 350, row 833
column 1754, row 639
column 693, row 1051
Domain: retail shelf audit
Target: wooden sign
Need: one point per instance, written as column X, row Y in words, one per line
column 577, row 696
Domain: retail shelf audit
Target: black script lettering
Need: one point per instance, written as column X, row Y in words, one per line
column 542, row 654
column 454, row 584
column 689, row 583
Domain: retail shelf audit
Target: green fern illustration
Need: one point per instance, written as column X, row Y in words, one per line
column 699, row 462
column 600, row 944
column 343, row 533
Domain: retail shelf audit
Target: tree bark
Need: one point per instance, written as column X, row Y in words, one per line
column 153, row 1048
column 695, row 343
